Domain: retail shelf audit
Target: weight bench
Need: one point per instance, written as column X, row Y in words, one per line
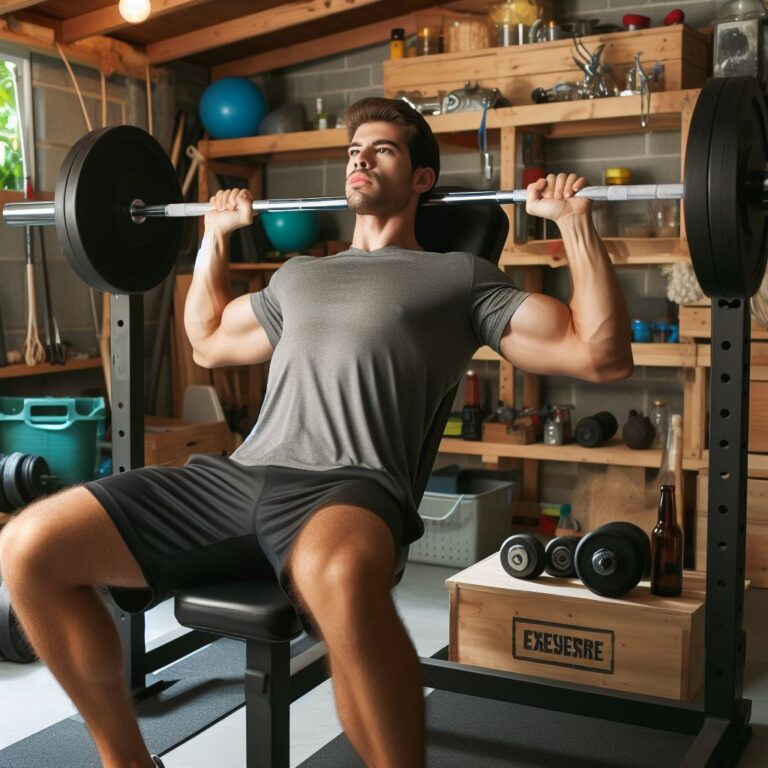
column 282, row 662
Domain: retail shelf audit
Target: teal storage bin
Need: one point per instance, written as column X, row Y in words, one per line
column 66, row 431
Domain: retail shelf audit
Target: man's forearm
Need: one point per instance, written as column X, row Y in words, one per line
column 599, row 311
column 210, row 290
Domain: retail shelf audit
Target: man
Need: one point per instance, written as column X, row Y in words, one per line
column 363, row 344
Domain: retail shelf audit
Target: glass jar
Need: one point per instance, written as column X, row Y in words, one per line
column 741, row 40
column 509, row 21
column 553, row 432
column 664, row 216
column 604, row 214
column 428, row 41
column 659, row 417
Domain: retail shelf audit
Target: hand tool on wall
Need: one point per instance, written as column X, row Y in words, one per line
column 55, row 348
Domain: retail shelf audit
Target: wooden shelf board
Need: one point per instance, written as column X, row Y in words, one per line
column 683, row 355
column 258, row 266
column 615, row 452
column 17, row 371
column 560, row 119
column 624, row 251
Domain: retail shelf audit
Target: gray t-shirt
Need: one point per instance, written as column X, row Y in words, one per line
column 366, row 345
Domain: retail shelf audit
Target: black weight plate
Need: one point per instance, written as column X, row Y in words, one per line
column 559, row 556
column 77, row 260
column 625, row 557
column 112, row 168
column 522, row 556
column 738, row 155
column 10, row 480
column 33, row 477
column 14, row 645
column 696, row 189
column 640, row 537
column 4, row 505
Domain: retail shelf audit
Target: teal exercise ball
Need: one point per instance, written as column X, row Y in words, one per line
column 232, row 107
column 290, row 230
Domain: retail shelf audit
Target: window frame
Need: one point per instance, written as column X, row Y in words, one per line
column 24, row 99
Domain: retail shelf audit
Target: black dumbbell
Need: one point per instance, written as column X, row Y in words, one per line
column 593, row 431
column 522, row 556
column 23, row 478
column 612, row 559
column 559, row 556
column 14, row 645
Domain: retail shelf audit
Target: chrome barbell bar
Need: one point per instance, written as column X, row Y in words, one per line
column 40, row 213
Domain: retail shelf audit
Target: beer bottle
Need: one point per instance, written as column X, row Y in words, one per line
column 472, row 414
column 667, row 548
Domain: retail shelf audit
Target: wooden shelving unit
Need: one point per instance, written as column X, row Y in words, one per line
column 18, row 371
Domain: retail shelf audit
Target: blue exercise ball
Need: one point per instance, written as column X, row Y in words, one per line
column 290, row 230
column 232, row 107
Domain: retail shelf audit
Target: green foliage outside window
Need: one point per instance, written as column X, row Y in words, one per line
column 11, row 166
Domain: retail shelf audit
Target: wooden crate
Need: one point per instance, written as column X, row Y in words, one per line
column 756, row 566
column 517, row 70
column 558, row 629
column 170, row 442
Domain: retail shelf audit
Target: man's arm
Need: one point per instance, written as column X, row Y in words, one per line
column 590, row 337
column 222, row 331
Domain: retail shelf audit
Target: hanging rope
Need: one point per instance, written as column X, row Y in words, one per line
column 149, row 100
column 76, row 86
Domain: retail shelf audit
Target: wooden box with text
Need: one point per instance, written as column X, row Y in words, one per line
column 558, row 629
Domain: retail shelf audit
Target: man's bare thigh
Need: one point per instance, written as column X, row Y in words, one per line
column 78, row 539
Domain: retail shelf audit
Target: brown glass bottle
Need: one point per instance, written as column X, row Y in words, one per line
column 667, row 548
column 472, row 414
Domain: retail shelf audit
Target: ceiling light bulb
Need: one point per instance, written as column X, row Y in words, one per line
column 134, row 11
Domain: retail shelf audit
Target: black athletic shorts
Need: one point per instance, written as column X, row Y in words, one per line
column 215, row 520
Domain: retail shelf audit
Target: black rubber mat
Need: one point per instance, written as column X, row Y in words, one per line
column 203, row 688
column 470, row 732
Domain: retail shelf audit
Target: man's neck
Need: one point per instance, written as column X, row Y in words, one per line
column 373, row 233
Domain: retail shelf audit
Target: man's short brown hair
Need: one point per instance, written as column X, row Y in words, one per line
column 421, row 142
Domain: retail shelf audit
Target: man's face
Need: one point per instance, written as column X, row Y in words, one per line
column 379, row 174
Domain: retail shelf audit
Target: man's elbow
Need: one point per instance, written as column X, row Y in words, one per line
column 201, row 360
column 613, row 368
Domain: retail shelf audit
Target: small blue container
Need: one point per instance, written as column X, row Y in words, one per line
column 641, row 331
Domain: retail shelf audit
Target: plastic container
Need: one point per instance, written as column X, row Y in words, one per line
column 66, row 431
column 464, row 527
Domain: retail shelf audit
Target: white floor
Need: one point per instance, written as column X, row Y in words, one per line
column 31, row 700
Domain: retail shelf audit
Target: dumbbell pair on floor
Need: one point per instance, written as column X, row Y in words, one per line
column 610, row 561
column 23, row 478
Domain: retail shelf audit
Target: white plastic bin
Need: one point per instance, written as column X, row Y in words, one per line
column 462, row 528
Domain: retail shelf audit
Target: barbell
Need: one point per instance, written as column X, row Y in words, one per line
column 118, row 204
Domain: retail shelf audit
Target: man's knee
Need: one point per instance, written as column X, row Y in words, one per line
column 28, row 540
column 342, row 578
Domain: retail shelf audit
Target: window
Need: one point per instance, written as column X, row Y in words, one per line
column 15, row 90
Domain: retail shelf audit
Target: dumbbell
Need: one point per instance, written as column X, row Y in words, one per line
column 14, row 645
column 610, row 561
column 23, row 478
column 525, row 557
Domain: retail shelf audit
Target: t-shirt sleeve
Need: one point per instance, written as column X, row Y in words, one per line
column 266, row 306
column 493, row 299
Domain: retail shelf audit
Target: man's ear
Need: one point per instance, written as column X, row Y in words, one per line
column 423, row 179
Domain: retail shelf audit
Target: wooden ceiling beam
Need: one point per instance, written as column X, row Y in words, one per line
column 11, row 6
column 105, row 20
column 329, row 45
column 254, row 25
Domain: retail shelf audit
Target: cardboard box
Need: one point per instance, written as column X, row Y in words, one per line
column 170, row 442
column 558, row 629
column 756, row 565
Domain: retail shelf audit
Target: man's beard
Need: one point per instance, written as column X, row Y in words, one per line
column 387, row 199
